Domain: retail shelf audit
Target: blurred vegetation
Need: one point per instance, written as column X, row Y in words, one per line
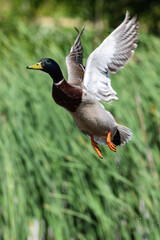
column 51, row 178
column 95, row 10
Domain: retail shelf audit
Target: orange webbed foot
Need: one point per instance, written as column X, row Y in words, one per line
column 97, row 149
column 110, row 144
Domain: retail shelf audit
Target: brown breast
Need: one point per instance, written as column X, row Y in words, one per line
column 67, row 96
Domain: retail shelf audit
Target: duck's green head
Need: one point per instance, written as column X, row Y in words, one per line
column 49, row 66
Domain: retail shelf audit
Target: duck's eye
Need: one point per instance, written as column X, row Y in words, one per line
column 48, row 61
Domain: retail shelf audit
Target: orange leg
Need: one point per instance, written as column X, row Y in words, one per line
column 95, row 145
column 110, row 144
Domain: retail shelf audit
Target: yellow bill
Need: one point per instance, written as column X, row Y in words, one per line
column 37, row 66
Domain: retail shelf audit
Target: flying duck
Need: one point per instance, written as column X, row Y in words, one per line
column 89, row 85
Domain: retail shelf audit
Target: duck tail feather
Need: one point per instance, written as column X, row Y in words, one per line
column 122, row 135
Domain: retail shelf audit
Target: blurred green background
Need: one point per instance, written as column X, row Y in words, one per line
column 53, row 186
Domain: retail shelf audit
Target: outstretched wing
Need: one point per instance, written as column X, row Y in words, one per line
column 113, row 53
column 74, row 61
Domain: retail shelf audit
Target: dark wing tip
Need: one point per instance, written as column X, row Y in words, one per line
column 80, row 31
column 76, row 29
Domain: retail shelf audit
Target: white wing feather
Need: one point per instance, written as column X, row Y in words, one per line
column 113, row 53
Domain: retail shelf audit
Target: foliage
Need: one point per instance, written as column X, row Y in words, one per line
column 49, row 170
column 95, row 10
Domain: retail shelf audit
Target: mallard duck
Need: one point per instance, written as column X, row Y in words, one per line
column 89, row 85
